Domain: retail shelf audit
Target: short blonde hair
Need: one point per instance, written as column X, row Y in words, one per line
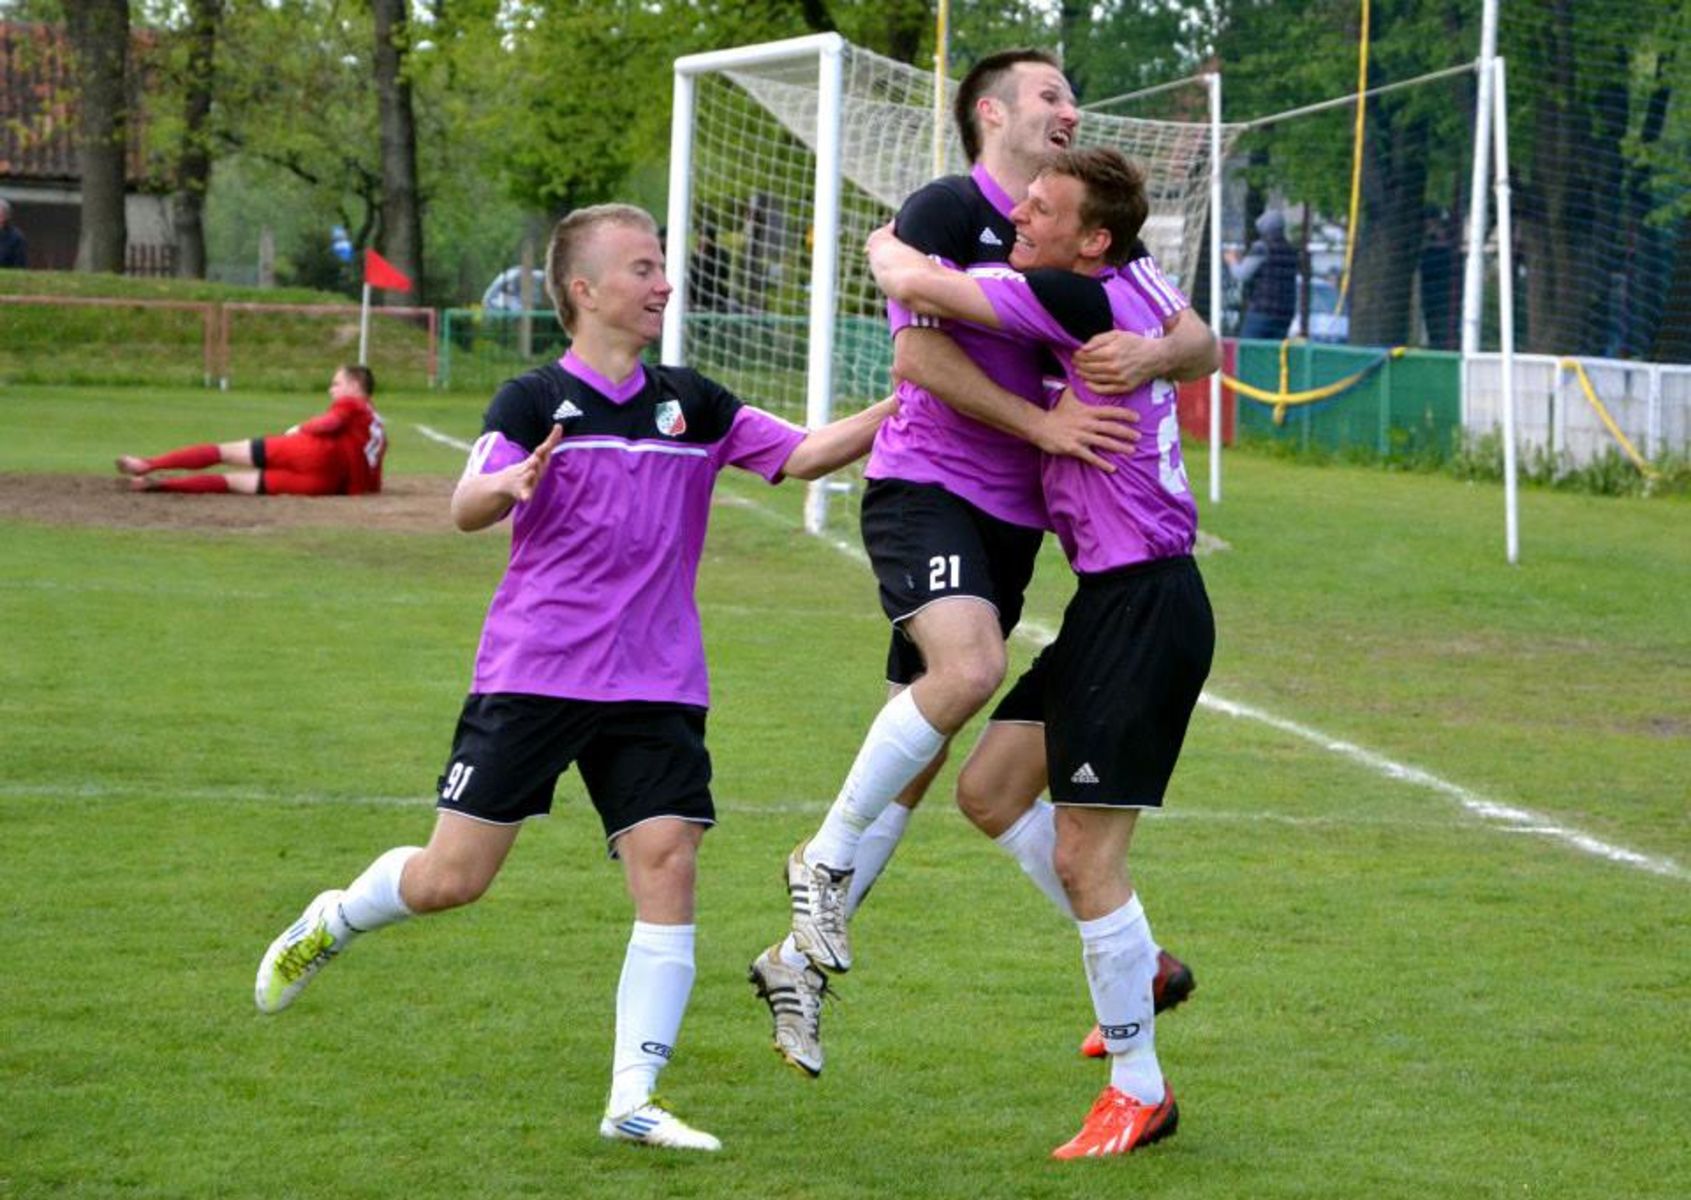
column 570, row 238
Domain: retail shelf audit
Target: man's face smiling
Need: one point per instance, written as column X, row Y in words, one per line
column 627, row 279
column 1039, row 113
column 1048, row 231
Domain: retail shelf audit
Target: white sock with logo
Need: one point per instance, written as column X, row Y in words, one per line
column 1032, row 842
column 657, row 978
column 372, row 900
column 874, row 851
column 1121, row 961
column 899, row 744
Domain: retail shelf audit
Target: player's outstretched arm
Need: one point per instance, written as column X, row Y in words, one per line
column 483, row 500
column 925, row 286
column 1118, row 361
column 838, row 442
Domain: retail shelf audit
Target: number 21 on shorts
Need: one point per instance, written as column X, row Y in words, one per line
column 944, row 572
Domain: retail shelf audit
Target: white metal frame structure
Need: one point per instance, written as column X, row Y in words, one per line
column 827, row 49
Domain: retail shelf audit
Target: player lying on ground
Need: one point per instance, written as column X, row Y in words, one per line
column 953, row 517
column 1101, row 714
column 591, row 654
column 337, row 453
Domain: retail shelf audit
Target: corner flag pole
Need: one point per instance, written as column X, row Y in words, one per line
column 364, row 325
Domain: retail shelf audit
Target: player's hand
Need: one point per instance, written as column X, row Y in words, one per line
column 1118, row 361
column 1087, row 431
column 525, row 476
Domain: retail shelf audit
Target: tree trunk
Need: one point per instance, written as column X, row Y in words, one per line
column 99, row 31
column 1575, row 181
column 402, row 221
column 1394, row 192
column 193, row 172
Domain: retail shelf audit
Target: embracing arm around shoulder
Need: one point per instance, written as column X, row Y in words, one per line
column 1119, row 361
column 925, row 286
column 481, row 500
column 838, row 442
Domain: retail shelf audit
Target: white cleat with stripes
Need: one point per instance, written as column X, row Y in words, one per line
column 653, row 1125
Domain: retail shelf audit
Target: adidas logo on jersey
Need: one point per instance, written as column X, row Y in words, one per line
column 989, row 238
column 1084, row 774
column 566, row 411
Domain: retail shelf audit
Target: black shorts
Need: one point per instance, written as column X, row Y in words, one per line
column 639, row 759
column 926, row 544
column 1117, row 688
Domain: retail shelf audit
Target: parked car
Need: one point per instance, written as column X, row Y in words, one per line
column 1325, row 325
column 504, row 294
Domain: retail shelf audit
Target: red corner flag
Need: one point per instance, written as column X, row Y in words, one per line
column 380, row 273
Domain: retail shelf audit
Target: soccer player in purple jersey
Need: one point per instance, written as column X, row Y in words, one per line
column 953, row 515
column 1102, row 712
column 591, row 653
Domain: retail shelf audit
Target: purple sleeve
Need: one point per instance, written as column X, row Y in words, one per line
column 492, row 452
column 758, row 442
column 1148, row 280
column 1019, row 310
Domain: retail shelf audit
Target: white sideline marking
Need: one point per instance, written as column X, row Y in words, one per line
column 445, row 439
column 1508, row 817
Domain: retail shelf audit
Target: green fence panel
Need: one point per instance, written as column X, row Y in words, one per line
column 1410, row 405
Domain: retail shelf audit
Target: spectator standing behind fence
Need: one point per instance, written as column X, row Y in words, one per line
column 14, row 250
column 336, row 453
column 1268, row 275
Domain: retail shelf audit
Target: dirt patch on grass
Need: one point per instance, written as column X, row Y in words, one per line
column 415, row 504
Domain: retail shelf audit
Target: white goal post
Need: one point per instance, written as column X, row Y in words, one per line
column 784, row 156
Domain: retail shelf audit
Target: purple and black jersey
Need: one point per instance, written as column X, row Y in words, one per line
column 598, row 600
column 964, row 220
column 1143, row 510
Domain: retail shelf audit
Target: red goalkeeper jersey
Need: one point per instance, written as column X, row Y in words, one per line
column 360, row 443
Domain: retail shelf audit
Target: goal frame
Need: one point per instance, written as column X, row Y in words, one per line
column 827, row 50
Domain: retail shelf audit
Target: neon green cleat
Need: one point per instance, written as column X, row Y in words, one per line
column 297, row 954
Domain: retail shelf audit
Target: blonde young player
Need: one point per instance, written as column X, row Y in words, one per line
column 591, row 654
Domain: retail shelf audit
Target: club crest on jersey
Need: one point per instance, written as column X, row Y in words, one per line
column 670, row 421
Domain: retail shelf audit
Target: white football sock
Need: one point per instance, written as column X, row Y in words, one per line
column 790, row 953
column 874, row 851
column 1121, row 961
column 1032, row 842
column 899, row 744
column 657, row 978
column 372, row 900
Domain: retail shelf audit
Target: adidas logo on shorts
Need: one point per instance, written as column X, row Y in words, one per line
column 1084, row 774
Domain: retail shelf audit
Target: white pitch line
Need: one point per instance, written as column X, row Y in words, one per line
column 1507, row 817
column 445, row 439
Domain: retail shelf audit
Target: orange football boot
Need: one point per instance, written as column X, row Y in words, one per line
column 1119, row 1124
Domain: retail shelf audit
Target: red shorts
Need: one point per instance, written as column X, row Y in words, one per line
column 297, row 464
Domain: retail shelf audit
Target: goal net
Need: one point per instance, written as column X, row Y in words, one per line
column 785, row 156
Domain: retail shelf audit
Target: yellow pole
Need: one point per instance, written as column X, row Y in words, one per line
column 941, row 35
column 1356, row 163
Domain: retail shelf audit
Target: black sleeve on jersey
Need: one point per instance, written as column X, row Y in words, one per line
column 1078, row 302
column 710, row 406
column 935, row 220
column 519, row 411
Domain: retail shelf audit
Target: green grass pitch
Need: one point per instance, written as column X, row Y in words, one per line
column 1399, row 994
